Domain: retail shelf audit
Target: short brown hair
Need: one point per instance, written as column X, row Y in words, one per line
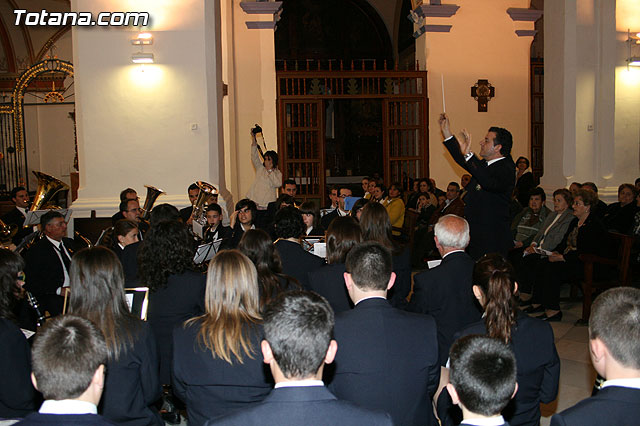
column 66, row 354
column 588, row 197
column 564, row 193
column 615, row 319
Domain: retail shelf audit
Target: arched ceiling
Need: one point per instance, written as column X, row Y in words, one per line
column 22, row 46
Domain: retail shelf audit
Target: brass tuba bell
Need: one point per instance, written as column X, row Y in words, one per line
column 48, row 186
column 205, row 197
column 152, row 195
column 7, row 232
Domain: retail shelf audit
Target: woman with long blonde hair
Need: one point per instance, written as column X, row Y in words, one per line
column 217, row 364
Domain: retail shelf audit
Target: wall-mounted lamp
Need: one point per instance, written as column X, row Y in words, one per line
column 142, row 58
column 142, row 39
column 633, row 59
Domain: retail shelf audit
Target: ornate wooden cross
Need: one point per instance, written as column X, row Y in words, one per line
column 482, row 92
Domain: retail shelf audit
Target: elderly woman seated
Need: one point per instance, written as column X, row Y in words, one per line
column 528, row 222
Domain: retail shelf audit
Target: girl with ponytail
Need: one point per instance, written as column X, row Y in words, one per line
column 531, row 339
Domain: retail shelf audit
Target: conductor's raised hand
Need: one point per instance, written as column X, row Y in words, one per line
column 444, row 125
column 464, row 140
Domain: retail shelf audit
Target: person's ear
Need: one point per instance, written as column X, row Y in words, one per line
column 348, row 281
column 515, row 391
column 267, row 354
column 453, row 394
column 392, row 281
column 34, row 381
column 477, row 292
column 120, row 238
column 331, row 352
column 515, row 287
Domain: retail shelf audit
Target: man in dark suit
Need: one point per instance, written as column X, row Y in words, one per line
column 446, row 291
column 388, row 358
column 125, row 194
column 452, row 204
column 16, row 216
column 343, row 192
column 69, row 358
column 48, row 262
column 290, row 188
column 490, row 188
column 482, row 379
column 186, row 212
column 296, row 262
column 614, row 343
column 298, row 342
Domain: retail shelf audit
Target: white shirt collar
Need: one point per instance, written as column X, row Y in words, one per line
column 491, row 421
column 299, row 383
column 22, row 210
column 490, row 162
column 54, row 242
column 342, row 213
column 370, row 297
column 633, row 383
column 68, row 406
column 453, row 251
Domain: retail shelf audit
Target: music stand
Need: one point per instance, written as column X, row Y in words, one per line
column 205, row 252
column 137, row 299
column 33, row 217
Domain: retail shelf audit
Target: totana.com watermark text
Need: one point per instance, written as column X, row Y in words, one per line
column 81, row 19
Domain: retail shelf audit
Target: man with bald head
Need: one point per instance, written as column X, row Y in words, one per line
column 446, row 291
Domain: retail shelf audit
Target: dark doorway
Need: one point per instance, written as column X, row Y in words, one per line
column 353, row 137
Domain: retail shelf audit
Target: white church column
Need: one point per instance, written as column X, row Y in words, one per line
column 159, row 124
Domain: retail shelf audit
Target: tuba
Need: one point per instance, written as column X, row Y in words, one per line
column 205, row 197
column 48, row 186
column 7, row 232
column 152, row 195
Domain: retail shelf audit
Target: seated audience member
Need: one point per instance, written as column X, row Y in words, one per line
column 48, row 263
column 343, row 192
column 365, row 186
column 482, row 379
column 216, row 230
column 160, row 213
column 296, row 261
column 548, row 238
column 257, row 245
column 356, row 209
column 614, row 345
column 126, row 194
column 600, row 208
column 131, row 386
column 241, row 220
column 619, row 216
column 524, row 181
column 388, row 358
column 528, row 222
column 186, row 212
column 464, row 181
column 176, row 289
column 69, row 359
column 586, row 235
column 297, row 344
column 311, row 219
column 333, row 198
column 216, row 363
column 452, row 204
column 376, row 226
column 434, row 188
column 424, row 187
column 395, row 207
column 531, row 340
column 16, row 216
column 573, row 188
column 445, row 292
column 379, row 193
column 328, row 281
column 17, row 396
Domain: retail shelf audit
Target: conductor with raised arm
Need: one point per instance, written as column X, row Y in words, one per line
column 490, row 188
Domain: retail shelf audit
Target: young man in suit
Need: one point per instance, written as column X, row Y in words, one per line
column 482, row 379
column 343, row 192
column 186, row 212
column 614, row 345
column 446, row 291
column 48, row 263
column 489, row 191
column 298, row 342
column 388, row 358
column 69, row 358
column 16, row 216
